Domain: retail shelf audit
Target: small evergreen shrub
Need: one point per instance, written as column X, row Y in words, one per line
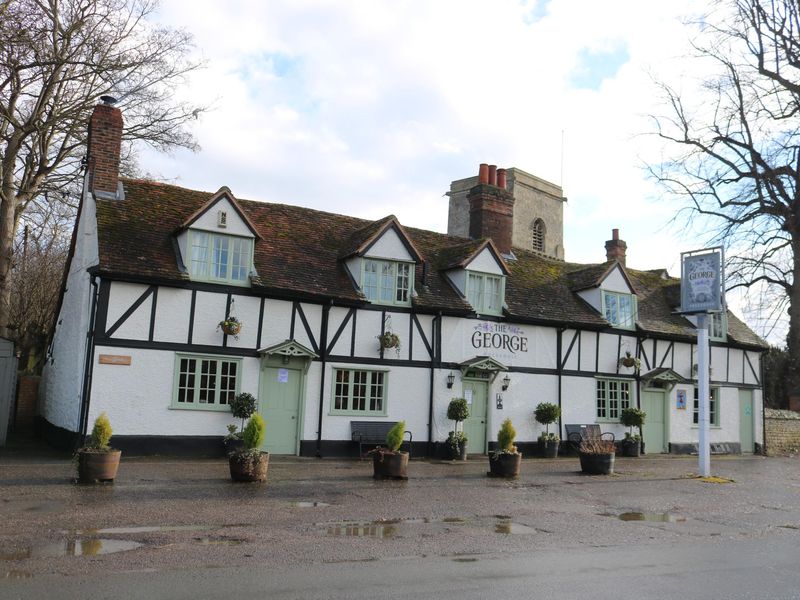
column 506, row 436
column 243, row 406
column 394, row 439
column 101, row 433
column 632, row 417
column 254, row 431
column 545, row 414
column 458, row 410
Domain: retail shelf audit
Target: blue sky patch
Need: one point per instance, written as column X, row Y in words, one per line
column 596, row 66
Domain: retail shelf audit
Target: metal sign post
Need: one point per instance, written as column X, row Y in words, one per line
column 703, row 292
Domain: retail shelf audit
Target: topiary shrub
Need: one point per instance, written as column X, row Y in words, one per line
column 506, row 436
column 243, row 406
column 458, row 410
column 394, row 439
column 101, row 433
column 632, row 417
column 254, row 431
column 545, row 414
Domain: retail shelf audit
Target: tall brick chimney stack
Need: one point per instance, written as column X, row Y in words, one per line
column 105, row 142
column 616, row 248
column 491, row 208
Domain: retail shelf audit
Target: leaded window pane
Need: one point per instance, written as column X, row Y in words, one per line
column 371, row 280
column 387, row 282
column 199, row 254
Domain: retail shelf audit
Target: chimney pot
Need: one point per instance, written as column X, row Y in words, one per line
column 501, row 178
column 483, row 173
column 104, row 147
column 492, row 174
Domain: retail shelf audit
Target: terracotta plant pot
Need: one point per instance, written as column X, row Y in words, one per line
column 244, row 468
column 597, row 464
column 503, row 464
column 96, row 465
column 549, row 448
column 390, row 465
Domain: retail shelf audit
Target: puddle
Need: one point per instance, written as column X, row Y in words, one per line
column 219, row 541
column 85, row 547
column 513, row 528
column 465, row 560
column 145, row 529
column 652, row 517
column 454, row 520
column 373, row 529
column 310, row 504
column 788, row 526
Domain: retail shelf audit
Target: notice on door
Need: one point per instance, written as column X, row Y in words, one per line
column 283, row 375
column 468, row 396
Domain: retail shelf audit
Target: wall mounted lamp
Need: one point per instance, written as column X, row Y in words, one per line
column 506, row 382
column 450, row 379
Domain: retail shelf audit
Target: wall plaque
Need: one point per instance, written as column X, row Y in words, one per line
column 114, row 359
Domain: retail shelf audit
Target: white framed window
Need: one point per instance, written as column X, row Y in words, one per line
column 486, row 292
column 220, row 258
column 713, row 407
column 387, row 281
column 359, row 392
column 717, row 326
column 620, row 309
column 205, row 382
column 612, row 396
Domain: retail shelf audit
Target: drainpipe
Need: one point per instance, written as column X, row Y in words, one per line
column 323, row 351
column 763, row 407
column 559, row 342
column 87, row 368
column 436, row 323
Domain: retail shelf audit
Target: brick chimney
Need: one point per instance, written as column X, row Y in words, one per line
column 105, row 140
column 491, row 208
column 615, row 248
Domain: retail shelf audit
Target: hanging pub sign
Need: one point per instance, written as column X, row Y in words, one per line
column 702, row 281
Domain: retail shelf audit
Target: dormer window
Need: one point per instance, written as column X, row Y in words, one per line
column 717, row 326
column 220, row 258
column 387, row 281
column 619, row 309
column 485, row 293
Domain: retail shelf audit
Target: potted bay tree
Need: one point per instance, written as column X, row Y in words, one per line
column 632, row 417
column 458, row 411
column 547, row 413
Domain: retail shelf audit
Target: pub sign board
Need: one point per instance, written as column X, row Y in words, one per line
column 702, row 281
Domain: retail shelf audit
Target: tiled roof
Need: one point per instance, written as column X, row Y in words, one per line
column 300, row 250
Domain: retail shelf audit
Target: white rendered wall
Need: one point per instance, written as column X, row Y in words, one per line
column 63, row 375
column 485, row 262
column 459, row 279
column 615, row 282
column 208, row 221
column 389, row 246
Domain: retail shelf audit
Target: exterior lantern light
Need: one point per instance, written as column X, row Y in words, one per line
column 450, row 379
column 506, row 382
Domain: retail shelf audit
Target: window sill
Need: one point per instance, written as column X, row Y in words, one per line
column 710, row 427
column 203, row 407
column 352, row 413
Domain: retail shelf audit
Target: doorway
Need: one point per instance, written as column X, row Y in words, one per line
column 655, row 429
column 476, row 394
column 279, row 404
column 746, row 437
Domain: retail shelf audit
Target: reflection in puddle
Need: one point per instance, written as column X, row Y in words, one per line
column 653, row 517
column 513, row 528
column 80, row 547
column 453, row 520
column 219, row 541
column 465, row 560
column 145, row 529
column 17, row 575
column 310, row 504
column 375, row 529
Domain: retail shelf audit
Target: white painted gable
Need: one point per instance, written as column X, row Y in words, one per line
column 389, row 246
column 235, row 225
column 615, row 282
column 485, row 262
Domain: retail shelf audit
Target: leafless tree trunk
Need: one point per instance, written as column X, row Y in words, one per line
column 735, row 151
column 56, row 58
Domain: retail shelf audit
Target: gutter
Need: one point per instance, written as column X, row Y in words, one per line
column 86, row 391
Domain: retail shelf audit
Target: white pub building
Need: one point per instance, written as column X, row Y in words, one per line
column 490, row 312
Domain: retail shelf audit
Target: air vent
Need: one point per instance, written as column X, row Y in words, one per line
column 222, row 218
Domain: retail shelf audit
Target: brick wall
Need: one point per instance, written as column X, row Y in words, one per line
column 782, row 429
column 27, row 401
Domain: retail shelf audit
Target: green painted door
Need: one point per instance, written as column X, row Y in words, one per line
column 654, row 431
column 746, row 438
column 279, row 404
column 476, row 393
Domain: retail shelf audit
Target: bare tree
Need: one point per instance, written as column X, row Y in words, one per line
column 56, row 58
column 40, row 253
column 735, row 151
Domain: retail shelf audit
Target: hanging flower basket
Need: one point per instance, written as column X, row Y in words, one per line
column 230, row 326
column 389, row 340
column 630, row 361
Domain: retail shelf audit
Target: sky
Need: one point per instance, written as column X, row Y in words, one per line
column 370, row 108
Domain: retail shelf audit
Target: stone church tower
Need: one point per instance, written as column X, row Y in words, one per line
column 538, row 221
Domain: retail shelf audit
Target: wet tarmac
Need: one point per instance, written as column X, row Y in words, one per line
column 166, row 513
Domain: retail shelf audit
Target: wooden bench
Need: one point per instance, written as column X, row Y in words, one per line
column 373, row 433
column 577, row 433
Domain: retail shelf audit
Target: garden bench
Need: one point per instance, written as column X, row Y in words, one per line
column 577, row 433
column 373, row 433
